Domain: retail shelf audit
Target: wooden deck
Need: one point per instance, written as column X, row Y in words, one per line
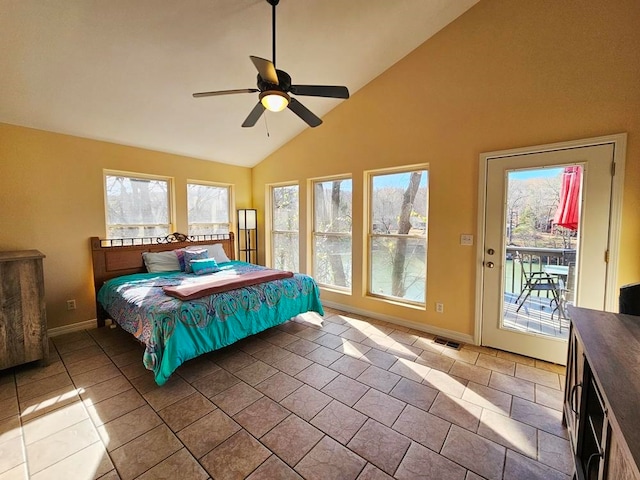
column 535, row 316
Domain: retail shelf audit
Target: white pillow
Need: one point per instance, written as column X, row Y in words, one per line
column 215, row 251
column 161, row 261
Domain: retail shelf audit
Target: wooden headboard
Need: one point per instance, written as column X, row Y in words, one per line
column 123, row 256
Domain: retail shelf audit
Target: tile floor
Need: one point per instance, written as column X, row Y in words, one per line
column 338, row 397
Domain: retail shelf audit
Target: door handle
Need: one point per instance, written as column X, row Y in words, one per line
column 490, row 264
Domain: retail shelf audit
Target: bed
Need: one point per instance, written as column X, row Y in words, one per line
column 175, row 324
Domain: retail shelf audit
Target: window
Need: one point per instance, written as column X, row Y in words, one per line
column 332, row 232
column 398, row 235
column 137, row 206
column 208, row 208
column 284, row 228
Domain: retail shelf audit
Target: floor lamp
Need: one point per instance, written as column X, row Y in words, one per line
column 248, row 235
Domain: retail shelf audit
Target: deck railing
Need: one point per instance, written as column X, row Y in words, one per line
column 533, row 259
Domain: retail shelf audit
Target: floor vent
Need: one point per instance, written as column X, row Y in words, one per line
column 447, row 343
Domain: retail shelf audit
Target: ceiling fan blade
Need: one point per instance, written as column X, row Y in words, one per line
column 329, row 91
column 266, row 69
column 225, row 92
column 255, row 114
column 304, row 113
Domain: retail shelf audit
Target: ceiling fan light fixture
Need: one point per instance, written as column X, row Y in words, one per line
column 274, row 100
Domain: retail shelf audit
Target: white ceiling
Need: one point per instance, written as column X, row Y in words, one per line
column 123, row 71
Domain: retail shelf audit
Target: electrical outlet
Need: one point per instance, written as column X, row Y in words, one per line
column 440, row 307
column 71, row 304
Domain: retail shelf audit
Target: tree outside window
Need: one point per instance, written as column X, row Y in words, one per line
column 332, row 232
column 208, row 209
column 137, row 206
column 285, row 216
column 398, row 235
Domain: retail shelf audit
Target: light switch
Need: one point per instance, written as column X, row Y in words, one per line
column 466, row 239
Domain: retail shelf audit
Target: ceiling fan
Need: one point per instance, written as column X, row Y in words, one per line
column 275, row 88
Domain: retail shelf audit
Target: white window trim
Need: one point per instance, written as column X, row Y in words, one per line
column 231, row 195
column 272, row 231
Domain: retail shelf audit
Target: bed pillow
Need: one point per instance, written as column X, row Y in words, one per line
column 180, row 255
column 161, row 262
column 203, row 266
column 193, row 255
column 216, row 251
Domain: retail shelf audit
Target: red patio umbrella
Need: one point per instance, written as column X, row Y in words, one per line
column 568, row 212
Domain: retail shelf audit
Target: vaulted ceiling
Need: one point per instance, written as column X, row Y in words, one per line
column 123, row 71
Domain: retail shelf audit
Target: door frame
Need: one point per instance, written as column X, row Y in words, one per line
column 619, row 142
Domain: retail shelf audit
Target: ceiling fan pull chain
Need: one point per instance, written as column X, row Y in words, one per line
column 266, row 125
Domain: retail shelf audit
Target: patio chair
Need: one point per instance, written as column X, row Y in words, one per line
column 539, row 282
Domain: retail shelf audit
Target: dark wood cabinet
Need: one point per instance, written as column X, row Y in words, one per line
column 602, row 395
column 23, row 322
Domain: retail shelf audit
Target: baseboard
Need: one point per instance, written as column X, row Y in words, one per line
column 441, row 332
column 74, row 327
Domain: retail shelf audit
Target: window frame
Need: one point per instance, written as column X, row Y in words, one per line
column 273, row 231
column 139, row 176
column 372, row 235
column 230, row 205
column 315, row 234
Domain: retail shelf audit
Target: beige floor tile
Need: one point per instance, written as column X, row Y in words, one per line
column 474, row 452
column 310, row 333
column 462, row 355
column 91, row 363
column 427, row 344
column 252, row 345
column 70, row 344
column 349, row 366
column 329, row 340
column 422, row 427
column 274, row 468
column 279, row 386
column 7, row 387
column 446, row 383
column 282, row 339
column 302, row 347
column 555, row 452
column 292, row 364
column 371, row 472
column 272, row 354
column 53, row 422
column 218, row 381
column 49, row 450
column 422, row 463
column 352, row 349
column 104, row 390
column 416, row 394
column 316, row 375
column 506, row 367
column 19, row 472
column 179, row 465
column 41, row 387
column 508, row 432
column 380, row 445
column 292, row 439
column 516, row 358
column 144, row 452
column 236, row 458
column 136, row 370
column 404, row 337
column 112, row 408
column 409, row 369
column 380, row 406
column 90, row 462
column 470, row 372
column 232, row 360
column 261, row 416
column 539, row 416
column 205, row 434
column 379, row 379
column 329, row 460
column 10, row 428
column 98, row 375
column 551, row 367
column 33, row 372
column 129, row 426
column 379, row 358
column 38, row 406
column 409, row 352
column 456, row 410
column 339, row 421
column 255, row 373
column 549, row 397
column 81, row 354
column 519, row 466
column 11, row 454
column 535, row 375
column 9, row 407
column 186, row 411
column 234, row 399
column 174, row 390
column 324, row 356
column 197, row 368
column 354, row 334
column 435, row 360
column 127, row 358
column 306, row 402
column 512, row 385
column 473, row 476
column 488, row 398
column 345, row 389
column 333, row 328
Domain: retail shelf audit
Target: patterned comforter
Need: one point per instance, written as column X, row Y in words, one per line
column 175, row 331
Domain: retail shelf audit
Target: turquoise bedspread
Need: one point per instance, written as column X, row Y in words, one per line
column 175, row 331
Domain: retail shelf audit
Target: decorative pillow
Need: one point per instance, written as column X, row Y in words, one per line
column 180, row 255
column 161, row 262
column 204, row 265
column 216, row 251
column 193, row 255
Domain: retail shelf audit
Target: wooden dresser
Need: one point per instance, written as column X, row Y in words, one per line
column 23, row 322
column 602, row 395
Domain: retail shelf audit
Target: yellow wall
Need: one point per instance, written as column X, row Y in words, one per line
column 506, row 74
column 52, row 200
